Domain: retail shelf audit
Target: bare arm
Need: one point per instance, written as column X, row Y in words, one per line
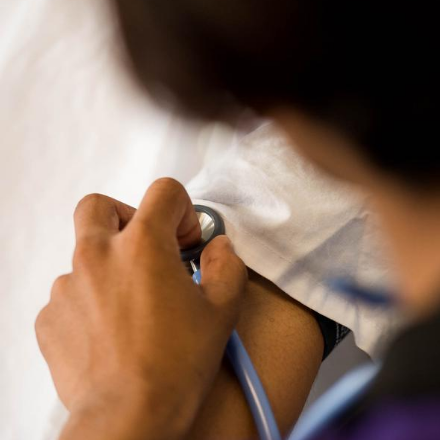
column 286, row 346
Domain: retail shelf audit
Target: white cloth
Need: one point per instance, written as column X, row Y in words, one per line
column 298, row 228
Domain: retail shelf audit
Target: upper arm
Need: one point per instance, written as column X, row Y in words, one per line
column 286, row 347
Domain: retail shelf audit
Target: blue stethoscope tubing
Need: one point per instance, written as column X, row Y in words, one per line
column 252, row 388
column 251, row 384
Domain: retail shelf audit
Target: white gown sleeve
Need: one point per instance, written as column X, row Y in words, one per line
column 299, row 229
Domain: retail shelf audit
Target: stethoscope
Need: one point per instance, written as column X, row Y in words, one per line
column 327, row 408
column 212, row 225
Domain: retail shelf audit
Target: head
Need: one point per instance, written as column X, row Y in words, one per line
column 353, row 83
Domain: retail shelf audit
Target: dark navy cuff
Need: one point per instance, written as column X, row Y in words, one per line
column 332, row 333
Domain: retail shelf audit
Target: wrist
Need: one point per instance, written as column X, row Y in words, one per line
column 128, row 411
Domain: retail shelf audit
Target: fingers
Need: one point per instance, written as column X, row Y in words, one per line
column 165, row 210
column 100, row 215
column 168, row 210
column 224, row 275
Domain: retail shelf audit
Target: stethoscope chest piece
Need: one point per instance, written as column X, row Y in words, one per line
column 212, row 226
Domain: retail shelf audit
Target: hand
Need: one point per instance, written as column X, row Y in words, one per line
column 128, row 329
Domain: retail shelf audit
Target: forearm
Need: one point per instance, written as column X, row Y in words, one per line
column 108, row 425
column 124, row 414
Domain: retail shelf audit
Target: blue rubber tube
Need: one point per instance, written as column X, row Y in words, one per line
column 252, row 388
column 250, row 382
column 334, row 402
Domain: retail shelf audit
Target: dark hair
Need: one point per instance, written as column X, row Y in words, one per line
column 365, row 66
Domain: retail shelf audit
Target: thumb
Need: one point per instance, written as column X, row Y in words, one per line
column 224, row 276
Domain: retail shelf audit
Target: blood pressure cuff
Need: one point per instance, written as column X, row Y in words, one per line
column 332, row 333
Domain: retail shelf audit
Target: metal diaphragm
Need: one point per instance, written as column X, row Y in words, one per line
column 212, row 226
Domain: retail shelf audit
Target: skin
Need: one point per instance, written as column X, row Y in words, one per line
column 106, row 332
column 151, row 400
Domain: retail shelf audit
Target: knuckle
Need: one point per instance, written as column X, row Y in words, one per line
column 90, row 199
column 59, row 285
column 61, row 281
column 41, row 323
column 168, row 184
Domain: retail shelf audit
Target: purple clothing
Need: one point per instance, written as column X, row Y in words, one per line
column 403, row 402
column 418, row 420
